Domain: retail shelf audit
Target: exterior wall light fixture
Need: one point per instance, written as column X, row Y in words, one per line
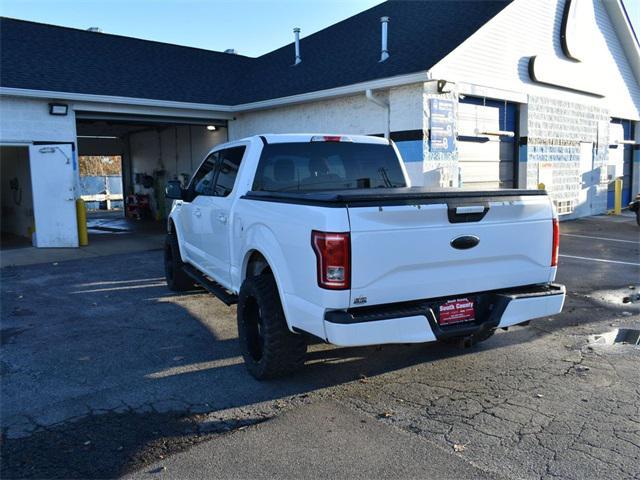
column 58, row 109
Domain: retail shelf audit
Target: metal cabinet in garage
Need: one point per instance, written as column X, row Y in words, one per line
column 486, row 143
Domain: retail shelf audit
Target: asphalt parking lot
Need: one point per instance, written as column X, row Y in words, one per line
column 106, row 373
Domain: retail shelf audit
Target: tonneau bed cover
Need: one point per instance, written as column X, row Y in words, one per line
column 387, row 196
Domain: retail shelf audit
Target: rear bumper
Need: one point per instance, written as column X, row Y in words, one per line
column 415, row 322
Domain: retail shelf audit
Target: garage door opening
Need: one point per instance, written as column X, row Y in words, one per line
column 17, row 221
column 126, row 160
column 487, row 132
column 621, row 135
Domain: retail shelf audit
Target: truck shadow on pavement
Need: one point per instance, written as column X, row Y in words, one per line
column 110, row 371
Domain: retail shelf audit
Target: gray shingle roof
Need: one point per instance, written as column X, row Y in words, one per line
column 46, row 57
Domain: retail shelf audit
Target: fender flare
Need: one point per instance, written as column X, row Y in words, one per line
column 260, row 238
column 176, row 231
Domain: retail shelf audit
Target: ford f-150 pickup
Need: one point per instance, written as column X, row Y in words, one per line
column 323, row 235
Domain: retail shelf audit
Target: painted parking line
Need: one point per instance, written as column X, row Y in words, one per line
column 601, row 260
column 600, row 238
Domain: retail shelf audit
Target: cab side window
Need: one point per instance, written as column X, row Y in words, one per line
column 227, row 170
column 203, row 180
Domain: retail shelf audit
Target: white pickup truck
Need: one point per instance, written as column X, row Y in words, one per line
column 323, row 235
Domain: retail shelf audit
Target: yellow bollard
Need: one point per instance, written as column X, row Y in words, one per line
column 81, row 215
column 617, row 203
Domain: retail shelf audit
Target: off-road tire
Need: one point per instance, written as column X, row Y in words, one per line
column 268, row 347
column 177, row 280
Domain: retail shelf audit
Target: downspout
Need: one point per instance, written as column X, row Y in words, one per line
column 382, row 104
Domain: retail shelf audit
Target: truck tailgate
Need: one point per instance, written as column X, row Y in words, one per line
column 402, row 252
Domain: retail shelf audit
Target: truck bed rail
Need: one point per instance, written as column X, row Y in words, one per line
column 390, row 196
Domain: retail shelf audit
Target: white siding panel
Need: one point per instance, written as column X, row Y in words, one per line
column 28, row 120
column 498, row 55
column 406, row 107
column 353, row 114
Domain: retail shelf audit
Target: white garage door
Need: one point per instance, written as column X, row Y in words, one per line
column 486, row 161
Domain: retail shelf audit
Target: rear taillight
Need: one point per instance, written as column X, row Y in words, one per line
column 333, row 254
column 555, row 249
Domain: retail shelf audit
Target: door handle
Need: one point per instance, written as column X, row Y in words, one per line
column 222, row 218
column 197, row 212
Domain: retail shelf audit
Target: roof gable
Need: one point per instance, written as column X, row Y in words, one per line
column 535, row 29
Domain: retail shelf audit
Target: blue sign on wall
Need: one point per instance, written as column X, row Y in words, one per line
column 441, row 126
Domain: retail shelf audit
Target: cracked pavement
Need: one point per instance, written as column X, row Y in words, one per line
column 105, row 372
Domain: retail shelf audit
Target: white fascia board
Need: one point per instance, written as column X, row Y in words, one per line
column 93, row 107
column 623, row 29
column 113, row 104
column 90, row 100
column 16, row 143
column 490, row 92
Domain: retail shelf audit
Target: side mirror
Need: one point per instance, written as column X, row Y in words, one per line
column 174, row 190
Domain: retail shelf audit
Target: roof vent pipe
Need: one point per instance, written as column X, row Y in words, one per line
column 385, row 53
column 296, row 32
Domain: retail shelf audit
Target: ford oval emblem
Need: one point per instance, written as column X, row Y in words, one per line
column 465, row 242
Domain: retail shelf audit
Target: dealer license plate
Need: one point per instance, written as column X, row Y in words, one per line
column 456, row 311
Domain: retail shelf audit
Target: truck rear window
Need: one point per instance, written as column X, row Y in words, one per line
column 315, row 166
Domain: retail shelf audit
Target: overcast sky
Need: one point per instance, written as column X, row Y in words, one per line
column 252, row 27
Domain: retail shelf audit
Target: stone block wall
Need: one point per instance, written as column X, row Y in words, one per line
column 556, row 129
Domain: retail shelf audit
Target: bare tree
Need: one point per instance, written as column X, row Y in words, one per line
column 100, row 165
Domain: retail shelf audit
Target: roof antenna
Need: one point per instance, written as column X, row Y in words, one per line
column 296, row 32
column 385, row 53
